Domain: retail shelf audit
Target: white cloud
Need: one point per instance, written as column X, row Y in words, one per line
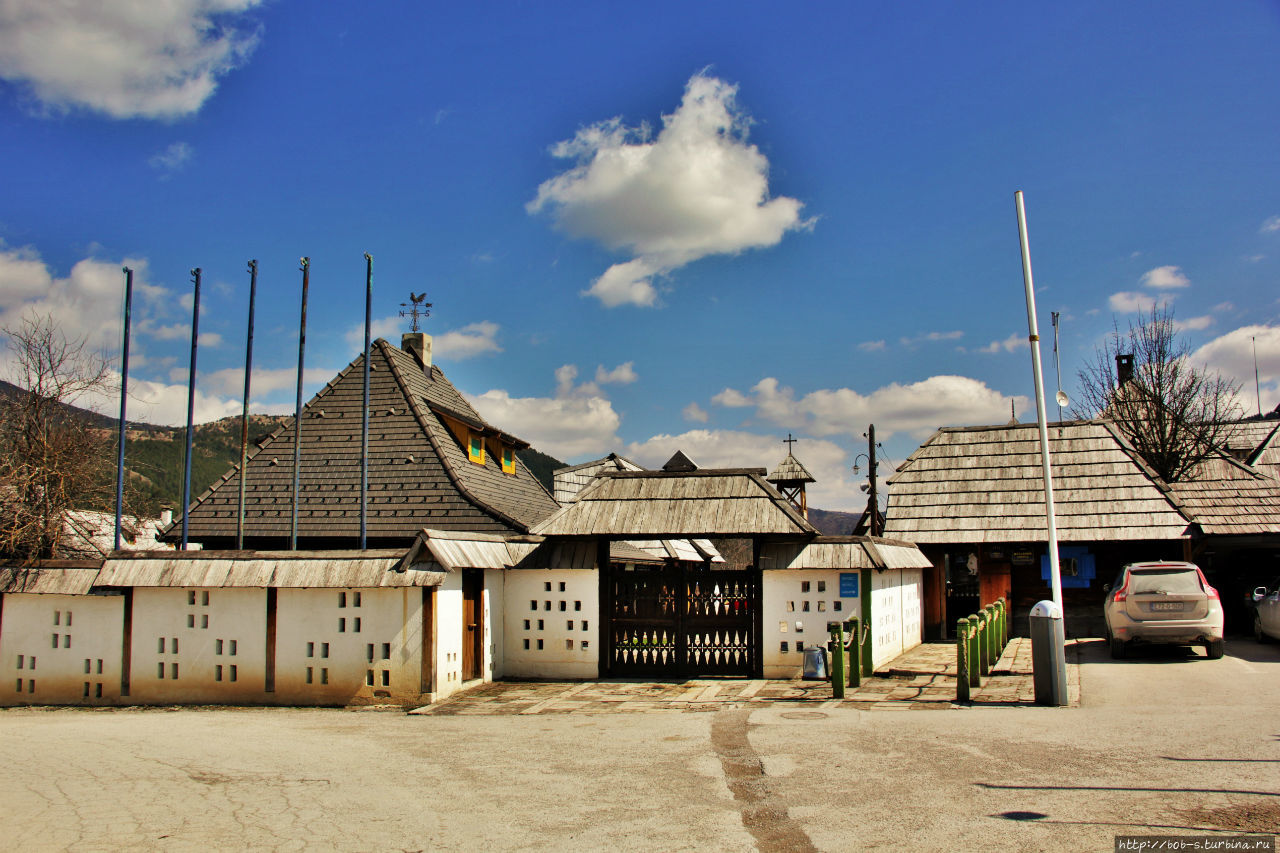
column 1222, row 307
column 1165, row 277
column 1129, row 302
column 86, row 305
column 623, row 374
column 229, row 381
column 694, row 412
column 470, row 340
column 697, row 189
column 127, row 60
column 835, row 488
column 1009, row 344
column 1253, row 259
column 567, row 427
column 1193, row 324
column 731, row 399
column 387, row 328
column 871, row 346
column 931, row 337
column 1270, row 226
column 916, row 409
column 170, row 160
column 1232, row 356
column 455, row 345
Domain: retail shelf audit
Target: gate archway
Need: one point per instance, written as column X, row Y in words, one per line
column 674, row 621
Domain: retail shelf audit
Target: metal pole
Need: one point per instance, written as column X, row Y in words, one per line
column 1257, row 388
column 297, row 417
column 124, row 395
column 191, row 411
column 364, row 417
column 871, row 463
column 1057, row 366
column 244, row 417
column 1034, row 337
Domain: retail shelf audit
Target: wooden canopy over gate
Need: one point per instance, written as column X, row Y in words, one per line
column 681, row 618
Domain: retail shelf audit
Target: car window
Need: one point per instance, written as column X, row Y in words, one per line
column 1170, row 580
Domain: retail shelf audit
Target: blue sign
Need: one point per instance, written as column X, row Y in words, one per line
column 848, row 585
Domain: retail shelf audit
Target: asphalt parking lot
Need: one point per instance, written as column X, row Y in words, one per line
column 1165, row 743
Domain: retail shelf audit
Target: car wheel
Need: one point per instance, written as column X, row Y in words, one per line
column 1257, row 630
column 1213, row 649
column 1117, row 648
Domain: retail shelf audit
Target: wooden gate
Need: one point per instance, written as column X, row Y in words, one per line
column 672, row 622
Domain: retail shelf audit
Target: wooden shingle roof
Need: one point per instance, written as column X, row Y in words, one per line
column 419, row 473
column 661, row 504
column 984, row 484
column 790, row 470
column 1226, row 497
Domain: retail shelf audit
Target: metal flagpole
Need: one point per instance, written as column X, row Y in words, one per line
column 191, row 410
column 124, row 395
column 244, row 417
column 1054, row 576
column 297, row 418
column 364, row 420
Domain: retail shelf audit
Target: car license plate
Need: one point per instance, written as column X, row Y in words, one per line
column 1167, row 605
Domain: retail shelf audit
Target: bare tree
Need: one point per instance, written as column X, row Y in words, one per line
column 52, row 458
column 1175, row 413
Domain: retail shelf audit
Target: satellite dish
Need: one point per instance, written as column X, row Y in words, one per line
column 1062, row 399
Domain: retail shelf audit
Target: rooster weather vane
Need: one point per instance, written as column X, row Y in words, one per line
column 420, row 308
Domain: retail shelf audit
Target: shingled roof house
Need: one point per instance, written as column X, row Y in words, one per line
column 972, row 498
column 433, row 462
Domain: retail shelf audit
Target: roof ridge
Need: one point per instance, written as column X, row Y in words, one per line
column 418, row 415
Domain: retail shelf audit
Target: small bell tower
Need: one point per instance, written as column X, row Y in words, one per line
column 790, row 477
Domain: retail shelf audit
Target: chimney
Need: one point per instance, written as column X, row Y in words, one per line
column 418, row 343
column 1124, row 368
column 166, row 517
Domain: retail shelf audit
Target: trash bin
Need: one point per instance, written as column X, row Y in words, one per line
column 1048, row 654
column 815, row 664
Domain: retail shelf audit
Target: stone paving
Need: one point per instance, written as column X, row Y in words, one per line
column 923, row 678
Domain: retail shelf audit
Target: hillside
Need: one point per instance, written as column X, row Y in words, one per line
column 154, row 454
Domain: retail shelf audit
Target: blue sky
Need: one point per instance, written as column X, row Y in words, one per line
column 643, row 228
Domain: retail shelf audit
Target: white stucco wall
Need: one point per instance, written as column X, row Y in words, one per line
column 185, row 642
column 798, row 604
column 348, row 646
column 895, row 613
column 494, row 607
column 448, row 627
column 552, row 624
column 83, row 668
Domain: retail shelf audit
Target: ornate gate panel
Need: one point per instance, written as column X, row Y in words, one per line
column 672, row 622
column 719, row 623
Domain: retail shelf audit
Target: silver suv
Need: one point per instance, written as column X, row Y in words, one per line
column 1164, row 602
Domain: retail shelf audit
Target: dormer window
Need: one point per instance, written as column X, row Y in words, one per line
column 475, row 448
column 508, row 459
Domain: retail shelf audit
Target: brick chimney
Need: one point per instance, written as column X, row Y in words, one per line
column 1124, row 368
column 419, row 344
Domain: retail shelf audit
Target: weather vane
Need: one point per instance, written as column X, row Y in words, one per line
column 418, row 309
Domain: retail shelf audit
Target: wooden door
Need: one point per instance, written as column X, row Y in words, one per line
column 472, row 624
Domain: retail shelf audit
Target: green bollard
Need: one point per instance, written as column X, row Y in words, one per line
column 999, row 605
column 962, row 660
column 853, row 627
column 984, row 663
column 836, row 647
column 993, row 648
column 972, row 634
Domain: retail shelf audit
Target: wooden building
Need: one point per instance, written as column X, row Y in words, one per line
column 973, row 499
column 433, row 462
column 472, row 571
